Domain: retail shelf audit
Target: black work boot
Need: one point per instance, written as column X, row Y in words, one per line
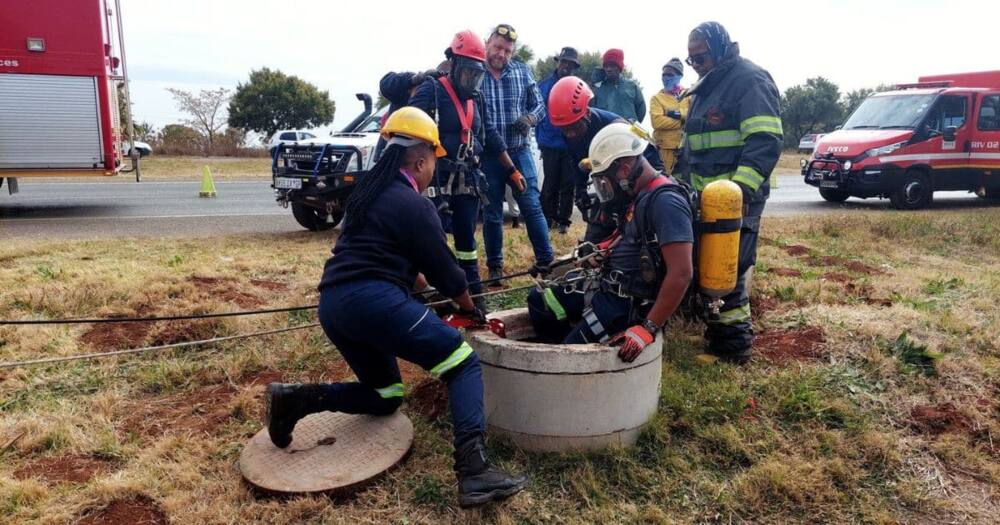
column 494, row 275
column 287, row 404
column 478, row 482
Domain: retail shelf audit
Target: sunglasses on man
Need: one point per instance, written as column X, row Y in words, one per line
column 506, row 31
column 697, row 59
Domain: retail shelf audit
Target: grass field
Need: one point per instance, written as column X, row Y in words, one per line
column 873, row 396
column 160, row 168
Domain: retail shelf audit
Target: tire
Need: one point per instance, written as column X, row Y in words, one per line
column 314, row 219
column 833, row 195
column 914, row 192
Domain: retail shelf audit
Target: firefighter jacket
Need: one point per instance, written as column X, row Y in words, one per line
column 733, row 129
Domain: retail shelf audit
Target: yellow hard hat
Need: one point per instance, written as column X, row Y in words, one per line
column 413, row 123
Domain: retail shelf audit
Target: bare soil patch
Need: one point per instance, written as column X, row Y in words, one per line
column 785, row 272
column 429, row 399
column 838, row 277
column 273, row 286
column 940, row 419
column 796, row 250
column 139, row 510
column 782, row 346
column 116, row 336
column 64, row 469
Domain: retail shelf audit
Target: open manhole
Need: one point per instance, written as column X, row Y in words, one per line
column 330, row 452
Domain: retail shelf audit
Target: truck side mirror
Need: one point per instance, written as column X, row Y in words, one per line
column 949, row 133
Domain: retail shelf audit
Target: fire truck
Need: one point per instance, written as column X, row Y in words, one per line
column 61, row 65
column 941, row 133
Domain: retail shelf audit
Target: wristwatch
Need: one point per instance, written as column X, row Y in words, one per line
column 650, row 326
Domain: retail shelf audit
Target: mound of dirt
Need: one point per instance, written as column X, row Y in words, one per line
column 429, row 399
column 226, row 289
column 273, row 286
column 116, row 336
column 859, row 267
column 64, row 469
column 139, row 510
column 762, row 305
column 171, row 332
column 837, row 277
column 782, row 346
column 785, row 272
column 796, row 250
column 940, row 419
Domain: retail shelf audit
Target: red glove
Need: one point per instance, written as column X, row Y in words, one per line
column 517, row 182
column 632, row 341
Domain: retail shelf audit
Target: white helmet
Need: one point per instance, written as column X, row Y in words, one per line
column 614, row 141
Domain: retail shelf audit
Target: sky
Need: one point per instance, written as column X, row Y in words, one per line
column 345, row 47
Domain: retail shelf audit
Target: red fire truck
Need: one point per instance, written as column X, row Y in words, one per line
column 939, row 134
column 61, row 63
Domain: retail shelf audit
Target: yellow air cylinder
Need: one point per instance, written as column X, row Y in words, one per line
column 719, row 250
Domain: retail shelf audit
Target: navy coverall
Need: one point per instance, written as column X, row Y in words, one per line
column 367, row 311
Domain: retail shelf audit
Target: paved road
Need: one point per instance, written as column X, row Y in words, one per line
column 115, row 209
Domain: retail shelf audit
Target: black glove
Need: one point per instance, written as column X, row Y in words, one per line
column 540, row 269
column 523, row 125
column 583, row 200
column 476, row 315
column 673, row 113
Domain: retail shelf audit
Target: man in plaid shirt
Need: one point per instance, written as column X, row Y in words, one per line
column 515, row 105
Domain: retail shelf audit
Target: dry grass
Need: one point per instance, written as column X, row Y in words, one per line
column 190, row 168
column 889, row 417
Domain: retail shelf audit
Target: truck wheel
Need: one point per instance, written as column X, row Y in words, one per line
column 914, row 192
column 312, row 218
column 833, row 195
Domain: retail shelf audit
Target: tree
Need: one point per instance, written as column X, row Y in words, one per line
column 205, row 110
column 179, row 139
column 144, row 131
column 590, row 63
column 272, row 100
column 809, row 108
column 854, row 98
column 524, row 54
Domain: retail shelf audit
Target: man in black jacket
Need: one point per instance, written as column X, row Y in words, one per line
column 733, row 132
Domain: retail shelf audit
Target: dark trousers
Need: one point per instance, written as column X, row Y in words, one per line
column 372, row 323
column 569, row 318
column 557, row 188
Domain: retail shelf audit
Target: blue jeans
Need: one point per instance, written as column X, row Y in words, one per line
column 529, row 202
column 372, row 323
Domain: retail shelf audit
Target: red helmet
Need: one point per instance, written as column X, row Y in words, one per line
column 568, row 101
column 468, row 44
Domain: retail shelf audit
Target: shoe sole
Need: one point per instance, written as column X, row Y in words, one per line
column 481, row 498
column 268, row 396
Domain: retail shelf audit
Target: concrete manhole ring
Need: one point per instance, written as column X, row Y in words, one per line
column 330, row 452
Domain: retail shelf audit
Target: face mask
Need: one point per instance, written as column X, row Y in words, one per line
column 670, row 82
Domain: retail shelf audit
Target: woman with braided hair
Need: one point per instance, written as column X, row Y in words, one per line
column 392, row 234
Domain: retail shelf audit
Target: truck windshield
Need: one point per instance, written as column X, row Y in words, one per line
column 890, row 112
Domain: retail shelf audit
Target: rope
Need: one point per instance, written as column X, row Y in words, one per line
column 63, row 359
column 49, row 360
column 155, row 319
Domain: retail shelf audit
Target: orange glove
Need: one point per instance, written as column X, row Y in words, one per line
column 517, row 182
column 632, row 342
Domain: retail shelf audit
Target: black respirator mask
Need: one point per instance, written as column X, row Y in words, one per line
column 467, row 76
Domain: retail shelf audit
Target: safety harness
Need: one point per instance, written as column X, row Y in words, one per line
column 454, row 171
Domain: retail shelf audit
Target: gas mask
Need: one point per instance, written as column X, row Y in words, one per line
column 610, row 188
column 467, row 75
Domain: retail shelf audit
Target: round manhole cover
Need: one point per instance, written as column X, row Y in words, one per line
column 330, row 452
